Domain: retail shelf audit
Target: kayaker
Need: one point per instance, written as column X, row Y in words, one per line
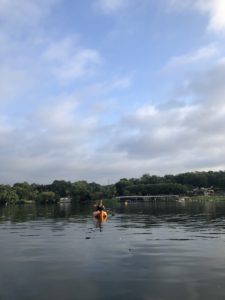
column 100, row 206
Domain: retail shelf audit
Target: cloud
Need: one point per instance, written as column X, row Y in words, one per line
column 95, row 133
column 58, row 114
column 49, row 141
column 202, row 54
column 62, row 124
column 22, row 23
column 111, row 6
column 179, row 5
column 69, row 61
column 215, row 9
column 181, row 137
column 13, row 12
column 13, row 82
column 57, row 141
column 146, row 112
column 111, row 85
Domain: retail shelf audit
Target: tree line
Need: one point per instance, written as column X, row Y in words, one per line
column 51, row 193
column 80, row 191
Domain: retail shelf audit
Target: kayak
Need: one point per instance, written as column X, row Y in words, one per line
column 102, row 215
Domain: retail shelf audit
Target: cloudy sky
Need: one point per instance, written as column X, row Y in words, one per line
column 99, row 90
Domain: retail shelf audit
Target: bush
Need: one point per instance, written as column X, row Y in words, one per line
column 47, row 197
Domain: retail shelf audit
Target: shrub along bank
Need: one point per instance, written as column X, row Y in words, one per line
column 80, row 191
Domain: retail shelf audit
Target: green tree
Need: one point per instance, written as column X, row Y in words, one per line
column 7, row 195
column 47, row 197
column 80, row 191
column 61, row 187
column 122, row 187
column 150, row 179
column 25, row 191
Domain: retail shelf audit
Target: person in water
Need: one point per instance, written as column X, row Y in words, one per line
column 100, row 206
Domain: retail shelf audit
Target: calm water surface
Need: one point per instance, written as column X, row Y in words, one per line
column 143, row 251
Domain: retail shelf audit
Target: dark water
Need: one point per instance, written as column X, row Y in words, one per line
column 143, row 251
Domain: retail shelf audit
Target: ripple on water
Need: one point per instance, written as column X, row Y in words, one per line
column 145, row 252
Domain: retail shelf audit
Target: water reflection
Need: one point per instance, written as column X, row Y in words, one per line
column 99, row 223
column 176, row 211
column 26, row 212
column 22, row 213
column 156, row 250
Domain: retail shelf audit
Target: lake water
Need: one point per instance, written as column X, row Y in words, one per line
column 146, row 251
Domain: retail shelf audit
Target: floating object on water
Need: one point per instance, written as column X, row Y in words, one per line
column 101, row 215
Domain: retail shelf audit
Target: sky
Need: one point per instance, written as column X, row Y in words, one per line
column 100, row 90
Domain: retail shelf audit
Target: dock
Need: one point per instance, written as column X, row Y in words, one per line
column 148, row 198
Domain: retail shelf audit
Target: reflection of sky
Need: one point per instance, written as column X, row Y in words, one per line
column 131, row 257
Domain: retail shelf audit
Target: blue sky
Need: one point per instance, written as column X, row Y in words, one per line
column 105, row 89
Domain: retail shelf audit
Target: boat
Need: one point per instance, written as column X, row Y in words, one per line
column 101, row 215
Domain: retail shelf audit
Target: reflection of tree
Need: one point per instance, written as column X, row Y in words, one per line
column 32, row 212
column 189, row 212
column 18, row 213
